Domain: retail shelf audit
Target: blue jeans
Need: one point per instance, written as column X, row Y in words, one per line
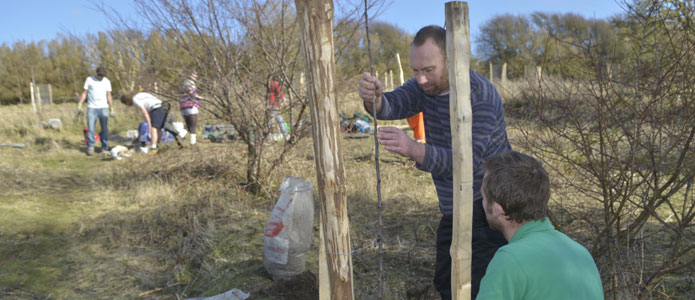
column 276, row 117
column 103, row 115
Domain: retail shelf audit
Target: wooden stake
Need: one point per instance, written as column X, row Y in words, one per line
column 33, row 97
column 38, row 98
column 391, row 80
column 458, row 50
column 324, row 289
column 504, row 73
column 316, row 31
column 50, row 94
column 400, row 69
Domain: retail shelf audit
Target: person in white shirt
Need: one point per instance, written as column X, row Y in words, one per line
column 155, row 115
column 97, row 91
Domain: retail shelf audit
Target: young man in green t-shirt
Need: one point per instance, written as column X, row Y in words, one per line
column 539, row 262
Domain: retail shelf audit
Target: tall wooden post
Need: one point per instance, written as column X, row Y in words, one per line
column 50, row 94
column 38, row 98
column 401, row 76
column 458, row 51
column 504, row 73
column 33, row 96
column 391, row 80
column 316, row 31
column 490, row 63
column 324, row 287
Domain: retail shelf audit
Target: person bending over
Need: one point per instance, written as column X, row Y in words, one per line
column 155, row 115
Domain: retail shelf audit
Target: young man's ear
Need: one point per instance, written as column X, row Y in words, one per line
column 497, row 210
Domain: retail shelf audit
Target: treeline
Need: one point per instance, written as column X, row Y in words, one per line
column 557, row 41
column 137, row 58
column 159, row 59
column 62, row 62
column 551, row 41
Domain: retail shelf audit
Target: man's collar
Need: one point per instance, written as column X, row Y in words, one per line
column 532, row 226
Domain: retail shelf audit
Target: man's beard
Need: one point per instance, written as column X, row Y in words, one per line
column 437, row 88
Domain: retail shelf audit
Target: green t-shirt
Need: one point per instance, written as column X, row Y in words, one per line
column 541, row 263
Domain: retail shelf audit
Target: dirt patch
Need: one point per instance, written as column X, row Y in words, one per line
column 302, row 286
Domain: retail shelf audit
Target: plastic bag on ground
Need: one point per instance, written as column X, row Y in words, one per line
column 233, row 294
column 287, row 237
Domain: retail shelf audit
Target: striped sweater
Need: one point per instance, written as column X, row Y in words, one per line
column 489, row 134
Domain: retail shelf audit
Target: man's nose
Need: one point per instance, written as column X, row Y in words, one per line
column 421, row 79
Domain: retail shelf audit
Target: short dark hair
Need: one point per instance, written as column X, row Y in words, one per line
column 519, row 184
column 101, row 71
column 434, row 32
column 127, row 98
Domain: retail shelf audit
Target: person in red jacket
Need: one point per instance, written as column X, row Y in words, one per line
column 275, row 98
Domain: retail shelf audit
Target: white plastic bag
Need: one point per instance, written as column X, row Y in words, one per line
column 287, row 237
column 233, row 294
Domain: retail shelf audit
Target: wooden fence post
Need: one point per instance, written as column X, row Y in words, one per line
column 50, row 94
column 504, row 73
column 33, row 96
column 316, row 31
column 458, row 49
column 490, row 63
column 401, row 76
column 324, row 287
column 38, row 98
column 391, row 80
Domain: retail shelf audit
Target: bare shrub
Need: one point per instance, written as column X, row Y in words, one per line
column 621, row 141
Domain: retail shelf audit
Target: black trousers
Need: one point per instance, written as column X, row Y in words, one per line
column 485, row 243
column 161, row 119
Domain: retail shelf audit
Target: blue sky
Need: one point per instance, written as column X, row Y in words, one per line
column 43, row 19
column 411, row 15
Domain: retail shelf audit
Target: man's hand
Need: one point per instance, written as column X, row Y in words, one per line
column 368, row 88
column 112, row 112
column 397, row 141
column 79, row 107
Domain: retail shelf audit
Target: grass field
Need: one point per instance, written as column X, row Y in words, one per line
column 177, row 224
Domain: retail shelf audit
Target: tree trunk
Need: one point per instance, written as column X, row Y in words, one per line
column 252, row 164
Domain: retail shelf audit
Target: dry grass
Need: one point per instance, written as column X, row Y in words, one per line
column 178, row 223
